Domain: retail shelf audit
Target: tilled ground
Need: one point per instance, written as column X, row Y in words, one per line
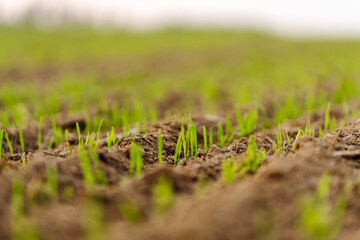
column 263, row 205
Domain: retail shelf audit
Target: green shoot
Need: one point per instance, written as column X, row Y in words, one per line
column 111, row 138
column 1, row 137
column 22, row 144
column 52, row 182
column 278, row 145
column 327, row 119
column 205, row 139
column 98, row 133
column 130, row 212
column 93, row 219
column 308, row 130
column 193, row 140
column 81, row 142
column 85, row 164
column 229, row 130
column 333, row 124
column 39, row 132
column 163, row 194
column 254, row 160
column 68, row 193
column 136, row 162
column 211, row 137
column 296, row 138
column 247, row 123
column 177, row 149
column 287, row 136
column 160, row 148
column 221, row 141
column 228, row 171
column 21, row 227
column 100, row 176
column 67, row 141
column 318, row 219
column 58, row 138
column 8, row 142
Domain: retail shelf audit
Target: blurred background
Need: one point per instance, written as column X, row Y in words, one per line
column 299, row 18
column 149, row 60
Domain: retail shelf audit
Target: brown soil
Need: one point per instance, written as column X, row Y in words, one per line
column 263, row 205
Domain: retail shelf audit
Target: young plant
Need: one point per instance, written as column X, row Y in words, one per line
column 177, row 149
column 160, row 148
column 39, row 133
column 205, row 139
column 58, row 137
column 229, row 130
column 327, row 119
column 99, row 174
column 296, row 138
column 163, row 194
column 1, row 137
column 8, row 142
column 111, row 138
column 136, row 162
column 228, row 171
column 81, row 142
column 52, row 182
column 221, row 141
column 22, row 144
column 67, row 141
column 278, row 145
column 21, row 227
column 247, row 123
column 253, row 159
column 98, row 133
column 85, row 164
column 318, row 218
column 211, row 137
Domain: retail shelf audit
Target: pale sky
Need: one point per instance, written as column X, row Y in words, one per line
column 292, row 17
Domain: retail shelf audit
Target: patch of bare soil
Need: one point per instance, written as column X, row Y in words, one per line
column 263, row 205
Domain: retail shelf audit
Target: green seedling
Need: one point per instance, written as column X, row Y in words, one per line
column 278, row 145
column 52, row 182
column 178, row 149
column 211, row 137
column 229, row 130
column 205, row 139
column 93, row 219
column 130, row 212
column 22, row 144
column 100, row 176
column 221, row 141
column 98, row 133
column 327, row 119
column 160, row 148
column 163, row 194
column 228, row 171
column 8, row 142
column 67, row 193
column 67, row 141
column 136, row 162
column 21, row 227
column 40, row 133
column 296, row 138
column 111, row 138
column 247, row 123
column 308, row 130
column 287, row 136
column 333, row 124
column 85, row 164
column 319, row 220
column 81, row 142
column 253, row 159
column 58, row 137
column 1, row 137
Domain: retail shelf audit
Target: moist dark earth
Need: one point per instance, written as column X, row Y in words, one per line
column 263, row 205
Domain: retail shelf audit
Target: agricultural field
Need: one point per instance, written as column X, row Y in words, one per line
column 177, row 134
